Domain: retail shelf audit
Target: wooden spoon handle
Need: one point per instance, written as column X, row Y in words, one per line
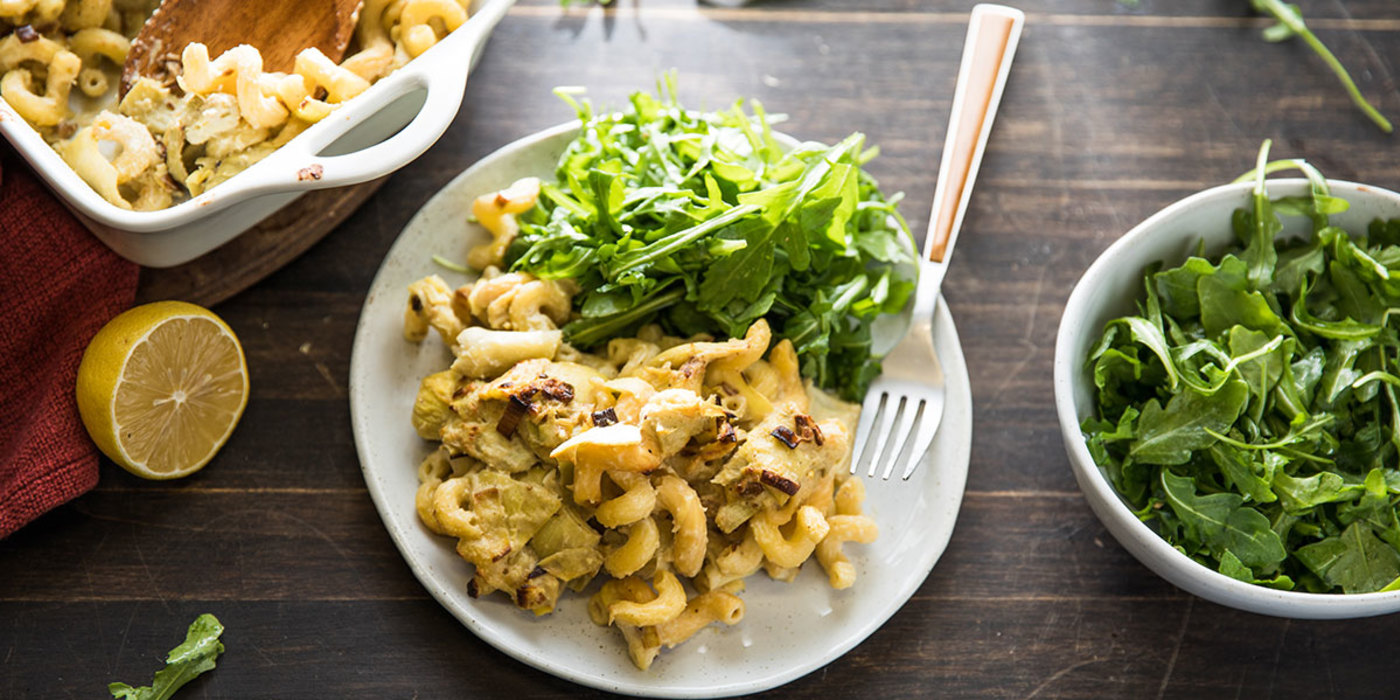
column 279, row 29
column 992, row 34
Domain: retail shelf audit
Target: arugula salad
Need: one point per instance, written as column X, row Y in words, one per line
column 705, row 223
column 1249, row 410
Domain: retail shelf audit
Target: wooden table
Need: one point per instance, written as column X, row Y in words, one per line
column 1112, row 112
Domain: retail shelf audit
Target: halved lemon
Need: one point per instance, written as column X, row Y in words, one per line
column 161, row 387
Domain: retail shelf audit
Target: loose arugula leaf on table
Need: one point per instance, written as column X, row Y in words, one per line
column 1249, row 410
column 1291, row 24
column 701, row 223
column 184, row 663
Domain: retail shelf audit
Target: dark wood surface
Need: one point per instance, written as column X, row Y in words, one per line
column 1112, row 112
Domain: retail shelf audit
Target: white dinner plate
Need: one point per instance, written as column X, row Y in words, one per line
column 788, row 631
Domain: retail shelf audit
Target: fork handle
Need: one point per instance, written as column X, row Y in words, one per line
column 992, row 34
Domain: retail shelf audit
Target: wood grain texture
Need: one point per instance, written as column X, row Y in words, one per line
column 321, row 601
column 1111, row 113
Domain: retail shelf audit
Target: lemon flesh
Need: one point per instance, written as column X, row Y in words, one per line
column 161, row 387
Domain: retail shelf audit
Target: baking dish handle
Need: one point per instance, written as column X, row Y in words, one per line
column 444, row 98
column 304, row 169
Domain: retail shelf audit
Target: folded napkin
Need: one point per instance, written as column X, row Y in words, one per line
column 59, row 285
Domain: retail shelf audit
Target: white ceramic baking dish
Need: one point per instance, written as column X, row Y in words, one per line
column 376, row 133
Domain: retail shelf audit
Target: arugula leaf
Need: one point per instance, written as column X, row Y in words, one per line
column 183, row 664
column 1253, row 479
column 1294, row 266
column 1300, row 494
column 1177, row 287
column 1302, row 427
column 1356, row 561
column 1225, row 305
column 1258, row 227
column 1231, row 566
column 1374, row 509
column 1149, row 335
column 1169, row 435
column 741, row 275
column 1261, row 373
column 1346, row 329
column 1219, row 522
column 1203, row 517
column 665, row 246
column 593, row 331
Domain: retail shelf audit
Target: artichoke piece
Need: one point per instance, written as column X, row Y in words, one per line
column 570, row 564
column 432, row 407
column 674, row 416
column 528, row 507
column 566, row 530
column 508, row 513
column 731, row 515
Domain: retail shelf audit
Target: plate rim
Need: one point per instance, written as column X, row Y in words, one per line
column 946, row 339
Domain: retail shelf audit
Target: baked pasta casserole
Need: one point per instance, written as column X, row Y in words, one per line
column 163, row 142
column 669, row 468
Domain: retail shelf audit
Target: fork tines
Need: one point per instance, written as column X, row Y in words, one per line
column 911, row 419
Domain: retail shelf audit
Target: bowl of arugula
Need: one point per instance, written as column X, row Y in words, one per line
column 1226, row 379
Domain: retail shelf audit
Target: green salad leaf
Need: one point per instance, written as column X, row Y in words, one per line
column 703, row 223
column 1291, row 24
column 184, row 663
column 1248, row 411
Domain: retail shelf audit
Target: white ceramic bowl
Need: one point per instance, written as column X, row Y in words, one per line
column 376, row 133
column 1107, row 291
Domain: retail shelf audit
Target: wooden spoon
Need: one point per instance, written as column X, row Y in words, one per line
column 278, row 28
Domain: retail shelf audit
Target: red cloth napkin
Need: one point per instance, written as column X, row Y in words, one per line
column 58, row 286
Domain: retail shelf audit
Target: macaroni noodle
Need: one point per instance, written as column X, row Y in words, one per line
column 643, row 539
column 667, row 605
column 636, row 502
column 713, row 606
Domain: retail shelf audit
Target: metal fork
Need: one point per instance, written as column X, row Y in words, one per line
column 905, row 404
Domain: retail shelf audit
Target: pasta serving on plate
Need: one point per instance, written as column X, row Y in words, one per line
column 670, row 468
column 162, row 142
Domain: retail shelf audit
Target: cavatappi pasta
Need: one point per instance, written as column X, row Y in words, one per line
column 161, row 143
column 671, row 468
